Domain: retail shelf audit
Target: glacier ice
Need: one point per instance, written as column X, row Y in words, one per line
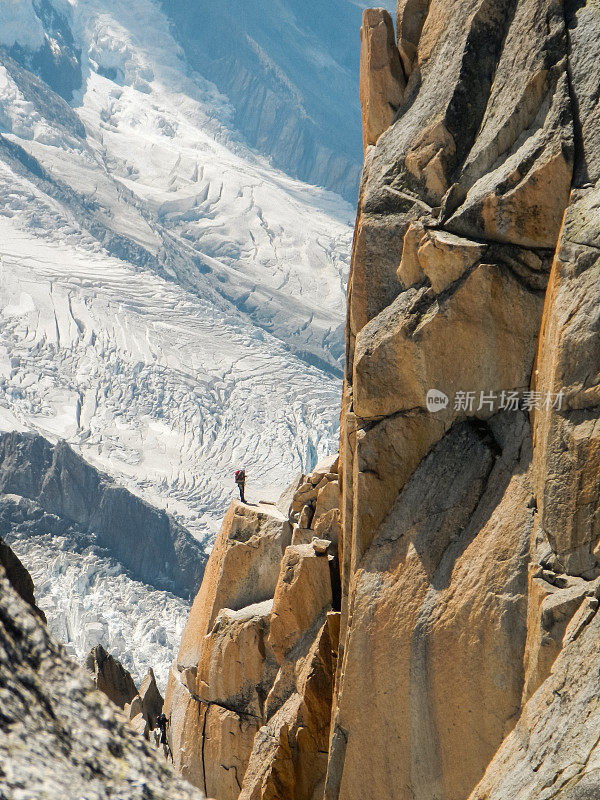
column 170, row 303
column 88, row 600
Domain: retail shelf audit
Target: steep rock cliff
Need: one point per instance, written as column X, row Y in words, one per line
column 466, row 519
column 469, row 528
column 249, row 694
column 46, row 488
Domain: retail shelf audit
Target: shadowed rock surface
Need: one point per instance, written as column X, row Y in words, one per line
column 59, row 737
column 110, row 676
column 18, row 577
column 47, row 488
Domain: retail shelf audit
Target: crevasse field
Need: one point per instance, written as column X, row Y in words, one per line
column 171, row 303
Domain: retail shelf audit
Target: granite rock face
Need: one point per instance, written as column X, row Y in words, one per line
column 60, row 738
column 249, row 694
column 553, row 750
column 469, row 535
column 381, row 75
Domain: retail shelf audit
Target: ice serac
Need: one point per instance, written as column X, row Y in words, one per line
column 249, row 695
column 60, row 737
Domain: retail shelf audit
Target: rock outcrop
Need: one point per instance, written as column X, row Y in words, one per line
column 382, row 81
column 249, row 695
column 18, row 577
column 141, row 708
column 110, row 677
column 145, row 707
column 60, row 738
column 47, row 488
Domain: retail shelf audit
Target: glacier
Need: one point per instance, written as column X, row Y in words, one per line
column 88, row 600
column 171, row 301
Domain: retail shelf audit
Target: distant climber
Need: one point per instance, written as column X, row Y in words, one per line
column 161, row 724
column 240, row 479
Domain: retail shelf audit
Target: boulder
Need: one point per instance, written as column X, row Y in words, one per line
column 327, row 526
column 306, row 515
column 302, row 535
column 320, row 546
column 306, row 494
column 328, row 465
column 440, row 256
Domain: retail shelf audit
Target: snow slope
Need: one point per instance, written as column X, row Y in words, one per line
column 170, row 303
column 290, row 69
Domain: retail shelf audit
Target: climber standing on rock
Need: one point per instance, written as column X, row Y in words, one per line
column 240, row 479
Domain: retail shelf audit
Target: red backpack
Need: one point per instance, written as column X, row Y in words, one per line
column 240, row 475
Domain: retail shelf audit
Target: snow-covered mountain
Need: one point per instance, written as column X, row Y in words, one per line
column 290, row 68
column 168, row 298
column 170, row 302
